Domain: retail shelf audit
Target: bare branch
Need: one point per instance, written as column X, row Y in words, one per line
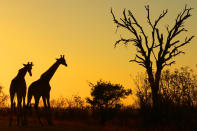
column 157, row 20
column 181, row 17
column 186, row 42
column 154, row 55
column 175, row 49
column 148, row 16
column 140, row 27
column 160, row 17
column 169, row 64
column 137, row 56
column 167, row 28
column 154, row 29
column 126, row 41
column 139, row 62
column 116, row 21
column 174, row 43
column 176, row 30
column 160, row 39
column 128, row 23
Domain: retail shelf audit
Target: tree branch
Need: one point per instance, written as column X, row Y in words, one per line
column 168, row 64
column 140, row 27
column 172, row 34
column 154, row 29
column 129, row 23
column 125, row 41
column 140, row 62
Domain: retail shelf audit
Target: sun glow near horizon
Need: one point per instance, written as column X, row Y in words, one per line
column 41, row 31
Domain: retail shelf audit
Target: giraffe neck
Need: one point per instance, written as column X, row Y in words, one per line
column 50, row 72
column 21, row 73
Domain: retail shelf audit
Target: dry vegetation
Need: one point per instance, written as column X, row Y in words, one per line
column 178, row 108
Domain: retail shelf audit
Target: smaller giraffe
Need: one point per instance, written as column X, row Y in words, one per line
column 18, row 88
column 41, row 88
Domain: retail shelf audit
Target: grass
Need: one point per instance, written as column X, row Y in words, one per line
column 85, row 119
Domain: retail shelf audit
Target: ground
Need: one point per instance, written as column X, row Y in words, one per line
column 58, row 126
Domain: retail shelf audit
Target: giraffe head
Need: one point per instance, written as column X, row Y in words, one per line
column 62, row 60
column 28, row 67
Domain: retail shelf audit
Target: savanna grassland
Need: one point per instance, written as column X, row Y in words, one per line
column 177, row 109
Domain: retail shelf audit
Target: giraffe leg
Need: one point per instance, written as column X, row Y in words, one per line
column 24, row 112
column 45, row 107
column 29, row 97
column 44, row 101
column 11, row 108
column 19, row 112
column 37, row 111
column 49, row 111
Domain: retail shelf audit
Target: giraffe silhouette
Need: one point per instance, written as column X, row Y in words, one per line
column 41, row 88
column 18, row 88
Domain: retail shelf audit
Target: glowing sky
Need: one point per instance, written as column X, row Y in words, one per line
column 82, row 30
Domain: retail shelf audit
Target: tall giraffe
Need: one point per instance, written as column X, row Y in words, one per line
column 18, row 87
column 41, row 88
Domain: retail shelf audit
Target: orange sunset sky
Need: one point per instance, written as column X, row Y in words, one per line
column 82, row 30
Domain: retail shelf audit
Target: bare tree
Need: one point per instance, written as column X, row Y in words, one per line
column 159, row 50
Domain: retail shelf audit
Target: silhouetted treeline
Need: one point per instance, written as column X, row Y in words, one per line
column 3, row 98
column 177, row 108
column 177, row 98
